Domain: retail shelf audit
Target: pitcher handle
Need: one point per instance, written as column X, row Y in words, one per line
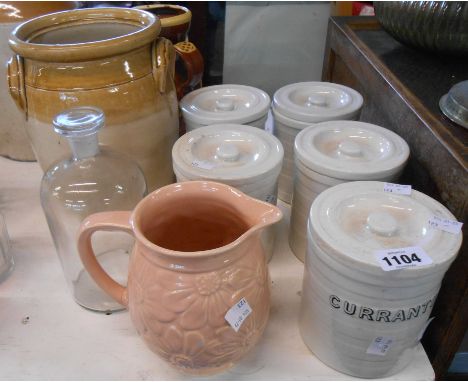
column 193, row 63
column 103, row 221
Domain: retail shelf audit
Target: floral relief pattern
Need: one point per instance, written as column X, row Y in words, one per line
column 257, row 286
column 181, row 315
column 199, row 299
column 146, row 313
column 181, row 349
column 229, row 346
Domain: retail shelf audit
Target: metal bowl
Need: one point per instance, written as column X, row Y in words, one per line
column 438, row 26
column 454, row 104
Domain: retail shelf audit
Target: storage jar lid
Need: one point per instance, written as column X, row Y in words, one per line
column 353, row 220
column 317, row 101
column 351, row 150
column 225, row 104
column 227, row 152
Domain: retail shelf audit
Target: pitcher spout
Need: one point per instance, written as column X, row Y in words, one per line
column 264, row 214
column 258, row 214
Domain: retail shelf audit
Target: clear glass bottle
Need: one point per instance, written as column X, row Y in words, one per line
column 93, row 180
column 6, row 257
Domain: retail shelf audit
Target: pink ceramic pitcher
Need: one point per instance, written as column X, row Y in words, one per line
column 197, row 254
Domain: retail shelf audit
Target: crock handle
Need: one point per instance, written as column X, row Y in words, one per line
column 193, row 63
column 163, row 62
column 103, row 221
column 15, row 77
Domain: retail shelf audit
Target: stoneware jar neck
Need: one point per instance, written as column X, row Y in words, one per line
column 92, row 74
column 84, row 34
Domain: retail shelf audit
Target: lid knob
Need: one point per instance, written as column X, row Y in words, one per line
column 350, row 148
column 316, row 100
column 382, row 223
column 225, row 104
column 228, row 152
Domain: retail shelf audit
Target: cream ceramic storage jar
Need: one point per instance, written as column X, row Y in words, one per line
column 355, row 316
column 297, row 106
column 334, row 152
column 237, row 104
column 241, row 156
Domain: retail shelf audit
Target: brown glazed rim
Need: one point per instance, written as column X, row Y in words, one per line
column 171, row 21
column 20, row 37
column 16, row 12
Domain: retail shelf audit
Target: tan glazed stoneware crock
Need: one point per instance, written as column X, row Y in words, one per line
column 109, row 58
column 197, row 255
column 14, row 142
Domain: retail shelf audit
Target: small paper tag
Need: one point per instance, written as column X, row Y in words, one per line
column 421, row 333
column 400, row 258
column 447, row 225
column 380, row 346
column 203, row 164
column 238, row 313
column 402, row 189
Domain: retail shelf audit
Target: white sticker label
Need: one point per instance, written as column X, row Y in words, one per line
column 400, row 258
column 238, row 313
column 380, row 346
column 421, row 333
column 402, row 189
column 203, row 164
column 447, row 225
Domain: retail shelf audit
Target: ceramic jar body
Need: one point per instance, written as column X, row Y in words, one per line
column 14, row 142
column 260, row 123
column 334, row 325
column 330, row 153
column 297, row 106
column 137, row 96
column 142, row 122
column 307, row 186
column 197, row 254
column 286, row 131
column 350, row 302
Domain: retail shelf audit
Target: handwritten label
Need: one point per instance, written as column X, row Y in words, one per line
column 402, row 189
column 380, row 346
column 206, row 165
column 447, row 225
column 400, row 258
column 238, row 313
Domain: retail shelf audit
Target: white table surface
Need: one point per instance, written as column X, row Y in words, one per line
column 61, row 340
